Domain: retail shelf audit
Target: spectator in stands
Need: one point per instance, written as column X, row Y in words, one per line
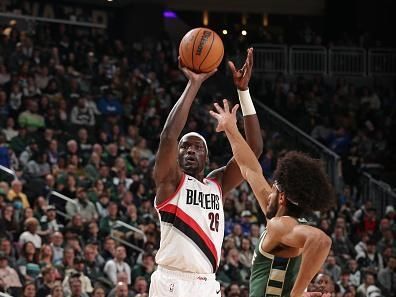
column 75, row 287
column 342, row 246
column 9, row 279
column 48, row 281
column 145, row 269
column 116, row 265
column 31, row 227
column 56, row 243
column 29, row 290
column 30, row 118
column 371, row 260
column 78, row 269
column 16, row 192
column 355, row 275
column 110, row 219
column 140, row 286
column 332, row 268
column 325, row 284
column 27, row 263
column 56, row 291
column 99, row 292
column 83, row 206
column 369, row 280
column 387, row 277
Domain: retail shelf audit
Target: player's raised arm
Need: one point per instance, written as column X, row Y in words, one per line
column 167, row 173
column 230, row 175
column 249, row 167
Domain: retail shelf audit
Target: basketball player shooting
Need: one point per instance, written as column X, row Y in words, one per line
column 289, row 252
column 190, row 205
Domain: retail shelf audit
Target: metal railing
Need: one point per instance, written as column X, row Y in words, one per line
column 382, row 62
column 307, row 60
column 119, row 229
column 378, row 192
column 297, row 139
column 272, row 58
column 348, row 61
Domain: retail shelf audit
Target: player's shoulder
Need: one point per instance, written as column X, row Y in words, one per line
column 281, row 224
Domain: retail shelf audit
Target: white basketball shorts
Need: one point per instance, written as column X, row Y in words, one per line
column 169, row 283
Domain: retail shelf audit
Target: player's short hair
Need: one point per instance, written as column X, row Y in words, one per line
column 304, row 182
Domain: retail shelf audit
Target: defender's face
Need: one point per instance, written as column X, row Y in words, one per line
column 192, row 155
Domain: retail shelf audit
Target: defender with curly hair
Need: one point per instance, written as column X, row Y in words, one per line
column 289, row 252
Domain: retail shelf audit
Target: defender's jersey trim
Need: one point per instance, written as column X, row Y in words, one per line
column 184, row 223
column 217, row 184
column 163, row 203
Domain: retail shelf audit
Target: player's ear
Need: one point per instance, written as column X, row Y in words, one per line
column 282, row 199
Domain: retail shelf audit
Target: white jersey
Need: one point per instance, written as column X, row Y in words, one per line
column 192, row 226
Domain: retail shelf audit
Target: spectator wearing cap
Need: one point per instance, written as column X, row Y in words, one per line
column 82, row 206
column 31, row 226
column 79, row 267
column 117, row 265
column 16, row 191
column 48, row 222
column 8, row 276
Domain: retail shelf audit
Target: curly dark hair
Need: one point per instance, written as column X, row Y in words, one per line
column 305, row 183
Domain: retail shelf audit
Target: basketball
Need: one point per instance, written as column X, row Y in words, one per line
column 201, row 50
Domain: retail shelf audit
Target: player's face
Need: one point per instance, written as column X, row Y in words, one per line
column 192, row 155
column 273, row 203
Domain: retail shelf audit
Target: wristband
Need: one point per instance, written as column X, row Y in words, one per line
column 246, row 103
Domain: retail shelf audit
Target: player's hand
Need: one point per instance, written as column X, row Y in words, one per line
column 193, row 76
column 242, row 76
column 225, row 118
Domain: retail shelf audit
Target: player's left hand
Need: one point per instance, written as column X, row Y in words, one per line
column 242, row 76
column 225, row 118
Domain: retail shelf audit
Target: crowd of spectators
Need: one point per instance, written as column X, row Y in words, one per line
column 81, row 114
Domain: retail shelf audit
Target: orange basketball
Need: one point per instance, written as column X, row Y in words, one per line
column 201, row 50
